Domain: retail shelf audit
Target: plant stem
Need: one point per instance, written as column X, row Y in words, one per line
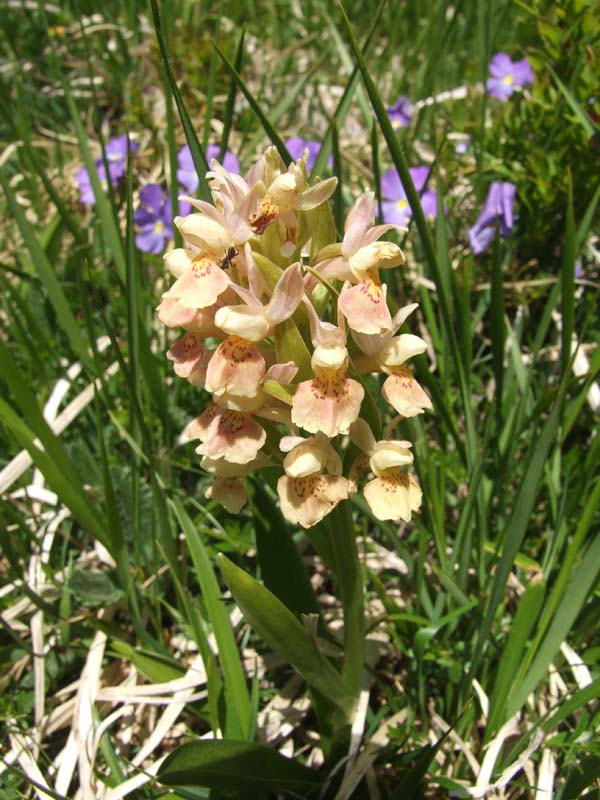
column 350, row 580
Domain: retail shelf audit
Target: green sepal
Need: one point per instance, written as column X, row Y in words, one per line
column 269, row 271
column 290, row 346
column 279, row 391
column 332, row 250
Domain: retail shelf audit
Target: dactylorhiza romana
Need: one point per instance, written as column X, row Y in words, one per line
column 282, row 351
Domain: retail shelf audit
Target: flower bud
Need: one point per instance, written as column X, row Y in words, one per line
column 242, row 321
column 335, row 357
column 374, row 256
column 285, row 191
column 400, row 349
column 304, row 460
column 204, row 232
column 388, row 455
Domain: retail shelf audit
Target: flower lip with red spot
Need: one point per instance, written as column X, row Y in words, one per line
column 200, row 285
column 232, row 435
column 394, row 496
column 306, row 501
column 236, row 367
column 402, row 391
column 365, row 306
column 190, row 358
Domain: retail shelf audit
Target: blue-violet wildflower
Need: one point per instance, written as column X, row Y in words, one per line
column 506, row 75
column 498, row 208
column 297, row 145
column 395, row 207
column 400, row 113
column 116, row 157
column 154, row 218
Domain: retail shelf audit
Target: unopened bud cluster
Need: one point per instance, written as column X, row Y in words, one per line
column 267, row 299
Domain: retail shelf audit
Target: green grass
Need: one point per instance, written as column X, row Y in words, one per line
column 498, row 570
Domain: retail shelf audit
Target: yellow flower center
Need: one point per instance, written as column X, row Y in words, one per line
column 508, row 79
column 396, row 124
column 159, row 227
column 104, row 185
column 402, row 204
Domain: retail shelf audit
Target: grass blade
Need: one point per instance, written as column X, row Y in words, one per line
column 235, row 680
column 198, row 155
column 568, row 282
column 255, row 106
column 60, row 304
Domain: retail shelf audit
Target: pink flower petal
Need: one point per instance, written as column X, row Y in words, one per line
column 306, row 501
column 229, row 492
column 329, row 403
column 394, row 496
column 404, row 393
column 200, row 285
column 236, row 367
column 234, row 436
column 365, row 307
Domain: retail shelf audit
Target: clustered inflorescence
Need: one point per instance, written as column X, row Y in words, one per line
column 281, row 324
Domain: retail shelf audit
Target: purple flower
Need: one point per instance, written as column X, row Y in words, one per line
column 297, row 145
column 400, row 113
column 498, row 208
column 116, row 153
column 154, row 219
column 395, row 207
column 86, row 192
column 461, row 147
column 507, row 75
column 116, row 156
column 187, row 175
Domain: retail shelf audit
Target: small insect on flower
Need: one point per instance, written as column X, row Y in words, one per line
column 232, row 253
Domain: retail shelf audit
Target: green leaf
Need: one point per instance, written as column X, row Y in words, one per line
column 519, row 519
column 580, row 777
column 580, row 113
column 284, row 634
column 409, row 786
column 520, row 630
column 278, row 390
column 567, row 707
column 233, row 765
column 154, row 666
column 290, row 346
column 94, row 588
column 282, row 568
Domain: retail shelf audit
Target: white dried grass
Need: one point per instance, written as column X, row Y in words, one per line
column 58, row 421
